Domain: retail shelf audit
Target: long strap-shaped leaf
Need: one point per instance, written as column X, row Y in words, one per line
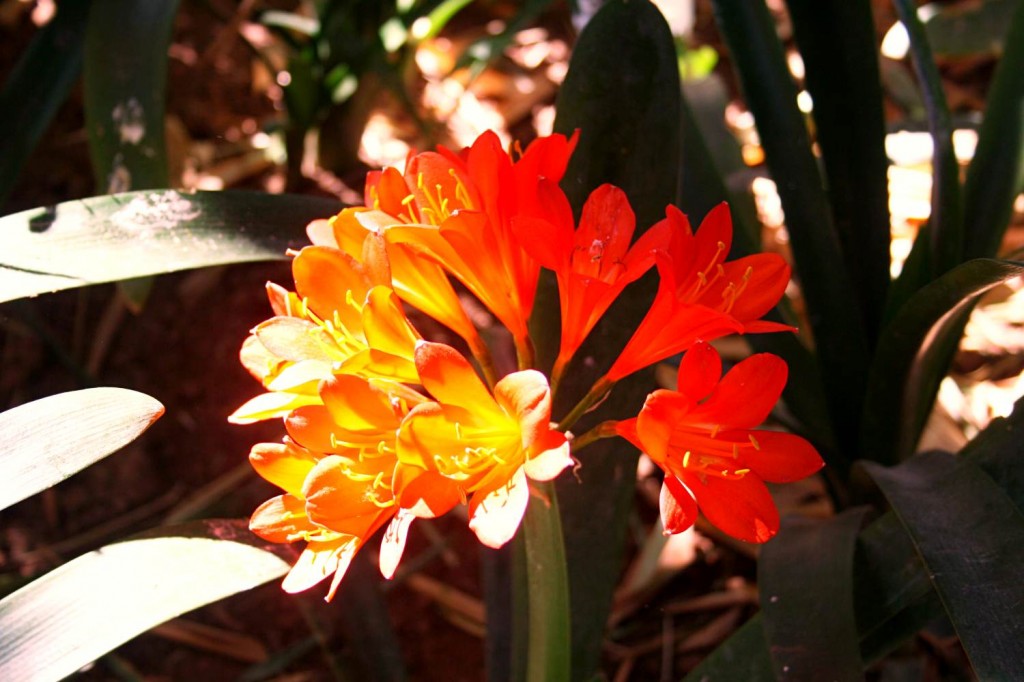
column 840, row 53
column 996, row 174
column 833, row 309
column 90, row 605
column 48, row 440
column 125, row 83
column 625, row 103
column 914, row 352
column 946, row 223
column 970, row 536
column 894, row 593
column 805, row 575
column 115, row 237
column 37, row 87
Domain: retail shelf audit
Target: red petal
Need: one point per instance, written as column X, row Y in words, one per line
column 715, row 229
column 699, row 371
column 782, row 457
column 662, row 410
column 426, row 494
column 746, row 395
column 605, row 231
column 743, row 507
column 678, row 508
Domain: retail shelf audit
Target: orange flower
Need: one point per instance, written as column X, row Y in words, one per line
column 593, row 263
column 342, row 320
column 702, row 437
column 457, row 210
column 336, row 468
column 702, row 297
column 486, row 445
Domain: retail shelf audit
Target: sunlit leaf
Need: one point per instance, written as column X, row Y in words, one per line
column 46, row 441
column 805, row 574
column 970, row 536
column 37, row 86
column 92, row 604
column 110, row 238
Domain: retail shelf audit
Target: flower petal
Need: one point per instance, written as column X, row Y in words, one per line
column 678, row 508
column 742, row 507
column 494, row 515
column 747, row 393
column 551, row 458
column 699, row 371
column 426, row 494
column 526, row 396
column 281, row 519
column 270, row 406
column 393, row 544
column 318, row 561
column 782, row 457
column 295, row 339
column 333, row 496
column 451, row 379
column 283, row 464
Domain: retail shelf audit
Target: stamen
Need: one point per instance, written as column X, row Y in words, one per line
column 715, row 429
column 757, row 446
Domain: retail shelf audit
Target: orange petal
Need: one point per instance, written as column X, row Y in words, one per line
column 426, row 494
column 526, row 396
column 385, row 324
column 283, row 464
column 495, row 514
column 281, row 519
column 551, row 459
column 295, row 339
column 743, row 507
column 357, row 405
column 393, row 544
column 449, row 377
column 333, row 496
column 328, row 279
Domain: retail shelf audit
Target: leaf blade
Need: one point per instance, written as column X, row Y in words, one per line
column 48, row 440
column 121, row 236
column 100, row 600
column 970, row 535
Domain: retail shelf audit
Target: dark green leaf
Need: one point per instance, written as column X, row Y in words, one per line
column 37, row 86
column 625, row 103
column 109, row 238
column 970, row 536
column 125, row 83
column 713, row 171
column 744, row 656
column 914, row 353
column 833, row 309
column 996, row 174
column 970, row 28
column 100, row 600
column 840, row 54
column 946, row 224
column 805, row 574
column 48, row 440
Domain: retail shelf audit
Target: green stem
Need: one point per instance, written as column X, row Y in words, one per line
column 596, row 393
column 605, row 429
column 549, row 643
column 525, row 353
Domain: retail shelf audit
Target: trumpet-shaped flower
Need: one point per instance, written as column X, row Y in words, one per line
column 339, row 321
column 593, row 263
column 486, row 445
column 457, row 210
column 336, row 469
column 702, row 435
column 702, row 297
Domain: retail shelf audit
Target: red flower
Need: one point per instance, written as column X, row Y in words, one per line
column 702, row 297
column 593, row 263
column 702, row 437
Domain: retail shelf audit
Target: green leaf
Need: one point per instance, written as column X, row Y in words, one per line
column 969, row 29
column 946, row 224
column 48, row 440
column 833, row 309
column 548, row 650
column 92, row 604
column 713, row 171
column 626, row 104
column 914, row 353
column 125, row 82
column 110, row 238
column 840, row 54
column 970, row 536
column 805, row 574
column 996, row 174
column 38, row 85
column 893, row 593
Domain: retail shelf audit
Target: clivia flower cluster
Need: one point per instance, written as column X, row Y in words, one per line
column 385, row 426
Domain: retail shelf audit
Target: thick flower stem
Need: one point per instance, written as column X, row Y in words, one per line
column 594, row 396
column 524, row 353
column 482, row 354
column 548, row 637
column 605, row 429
